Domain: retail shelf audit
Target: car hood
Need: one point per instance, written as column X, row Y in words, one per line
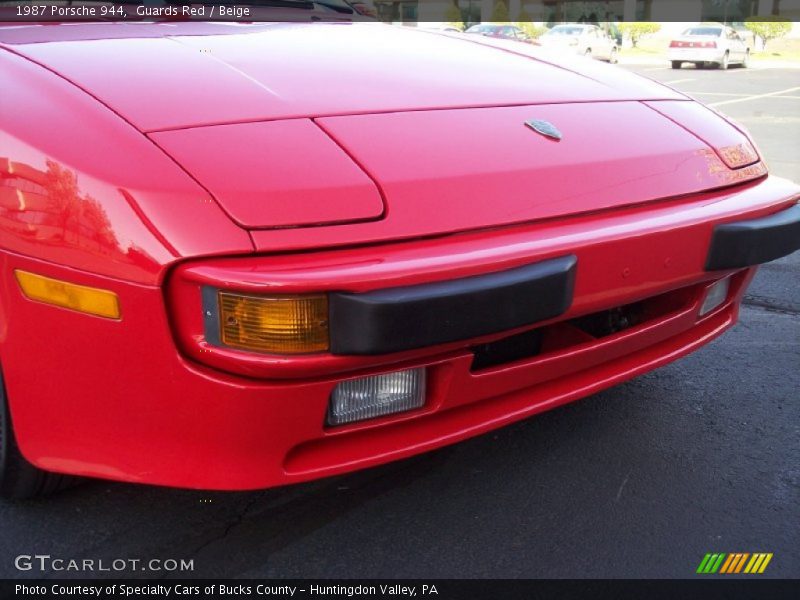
column 405, row 132
column 175, row 75
column 449, row 170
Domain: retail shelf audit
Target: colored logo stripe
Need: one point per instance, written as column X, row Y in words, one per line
column 710, row 563
column 758, row 563
column 734, row 563
column 727, row 564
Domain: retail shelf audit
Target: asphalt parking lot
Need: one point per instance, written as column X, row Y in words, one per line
column 639, row 481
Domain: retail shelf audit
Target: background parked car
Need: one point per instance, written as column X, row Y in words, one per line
column 364, row 7
column 509, row 32
column 445, row 27
column 586, row 40
column 709, row 44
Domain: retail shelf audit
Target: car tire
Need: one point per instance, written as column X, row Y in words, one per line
column 723, row 66
column 613, row 58
column 677, row 64
column 19, row 479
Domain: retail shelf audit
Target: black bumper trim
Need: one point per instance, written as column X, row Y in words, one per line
column 405, row 318
column 747, row 243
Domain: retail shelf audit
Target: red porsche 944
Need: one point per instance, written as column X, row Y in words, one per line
column 235, row 256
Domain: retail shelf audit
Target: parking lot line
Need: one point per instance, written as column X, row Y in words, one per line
column 755, row 97
column 715, row 94
column 729, row 94
column 678, row 81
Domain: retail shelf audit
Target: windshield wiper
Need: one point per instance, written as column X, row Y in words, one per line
column 342, row 8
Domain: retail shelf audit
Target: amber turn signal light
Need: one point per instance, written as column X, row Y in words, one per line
column 89, row 300
column 274, row 325
column 738, row 155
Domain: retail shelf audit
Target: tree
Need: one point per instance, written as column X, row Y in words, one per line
column 768, row 28
column 452, row 15
column 80, row 214
column 528, row 26
column 636, row 30
column 63, row 195
column 532, row 29
column 500, row 12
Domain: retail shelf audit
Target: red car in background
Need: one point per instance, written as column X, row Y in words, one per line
column 228, row 270
column 500, row 31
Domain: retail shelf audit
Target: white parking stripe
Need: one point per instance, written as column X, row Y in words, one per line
column 692, row 93
column 756, row 97
column 734, row 71
column 728, row 94
column 678, row 81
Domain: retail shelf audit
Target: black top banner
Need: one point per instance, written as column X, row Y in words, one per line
column 435, row 11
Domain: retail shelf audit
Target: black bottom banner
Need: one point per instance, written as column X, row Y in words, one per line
column 444, row 589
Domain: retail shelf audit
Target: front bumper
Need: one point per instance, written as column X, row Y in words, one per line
column 754, row 241
column 429, row 314
column 135, row 408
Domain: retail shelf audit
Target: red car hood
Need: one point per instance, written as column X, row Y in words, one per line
column 173, row 75
column 308, row 124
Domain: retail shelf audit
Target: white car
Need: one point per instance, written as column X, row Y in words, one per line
column 443, row 27
column 587, row 40
column 709, row 44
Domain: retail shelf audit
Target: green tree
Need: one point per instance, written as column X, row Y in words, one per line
column 452, row 15
column 636, row 30
column 525, row 23
column 500, row 12
column 532, row 29
column 768, row 28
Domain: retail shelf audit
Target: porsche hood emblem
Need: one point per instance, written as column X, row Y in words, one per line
column 546, row 128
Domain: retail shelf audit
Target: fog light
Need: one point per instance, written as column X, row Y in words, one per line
column 716, row 295
column 375, row 396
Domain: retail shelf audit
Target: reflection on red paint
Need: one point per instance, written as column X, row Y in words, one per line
column 48, row 207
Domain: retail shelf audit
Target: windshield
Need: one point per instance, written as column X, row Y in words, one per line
column 566, row 30
column 713, row 31
column 484, row 29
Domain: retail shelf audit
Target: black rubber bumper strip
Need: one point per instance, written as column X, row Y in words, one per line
column 747, row 243
column 404, row 318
